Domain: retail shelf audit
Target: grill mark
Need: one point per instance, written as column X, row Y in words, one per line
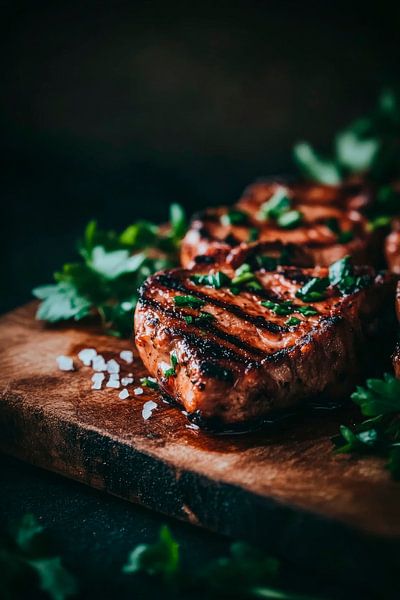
column 209, row 327
column 172, row 283
column 207, row 349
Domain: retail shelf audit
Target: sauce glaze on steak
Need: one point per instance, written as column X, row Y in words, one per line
column 245, row 361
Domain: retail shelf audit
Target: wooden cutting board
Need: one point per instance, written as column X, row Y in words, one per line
column 281, row 487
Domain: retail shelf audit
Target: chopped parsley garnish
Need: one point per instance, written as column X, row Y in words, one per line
column 290, row 219
column 292, row 321
column 341, row 274
column 342, row 236
column 149, row 382
column 189, row 300
column 216, row 280
column 307, row 311
column 283, row 308
column 171, row 372
column 379, row 434
column 314, row 290
column 278, row 204
column 244, row 277
column 254, row 234
column 203, row 317
column 279, row 209
column 234, row 217
column 269, row 263
column 111, row 268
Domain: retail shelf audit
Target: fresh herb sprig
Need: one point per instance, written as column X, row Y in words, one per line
column 27, row 563
column 379, row 434
column 368, row 146
column 112, row 267
column 245, row 573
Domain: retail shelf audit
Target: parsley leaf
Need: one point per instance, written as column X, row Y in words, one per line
column 111, row 269
column 61, row 302
column 246, row 572
column 313, row 167
column 367, row 147
column 379, row 434
column 160, row 558
column 26, row 559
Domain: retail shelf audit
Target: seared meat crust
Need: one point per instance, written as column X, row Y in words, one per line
column 318, row 243
column 237, row 359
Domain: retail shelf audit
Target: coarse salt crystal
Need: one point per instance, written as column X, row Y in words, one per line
column 153, row 379
column 148, row 408
column 86, row 355
column 98, row 363
column 113, row 382
column 127, row 356
column 127, row 380
column 138, row 391
column 65, row 363
column 97, row 379
column 113, row 366
column 124, row 394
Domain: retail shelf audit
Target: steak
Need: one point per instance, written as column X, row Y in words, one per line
column 233, row 346
column 325, row 222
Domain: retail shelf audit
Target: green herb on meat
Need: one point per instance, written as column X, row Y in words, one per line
column 343, row 237
column 314, row 290
column 112, row 267
column 189, row 300
column 290, row 219
column 341, row 274
column 279, row 208
column 379, row 434
column 292, row 321
column 234, row 217
column 149, row 382
column 216, row 280
column 171, row 372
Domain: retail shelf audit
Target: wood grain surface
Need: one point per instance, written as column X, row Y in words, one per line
column 281, row 487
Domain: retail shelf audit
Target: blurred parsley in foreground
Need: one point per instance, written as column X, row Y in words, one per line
column 380, row 433
column 112, row 268
column 246, row 573
column 26, row 561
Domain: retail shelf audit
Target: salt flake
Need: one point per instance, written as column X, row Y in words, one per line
column 98, row 363
column 97, row 380
column 127, row 380
column 65, row 363
column 113, row 366
column 138, row 391
column 148, row 408
column 113, row 382
column 124, row 394
column 86, row 355
column 127, row 356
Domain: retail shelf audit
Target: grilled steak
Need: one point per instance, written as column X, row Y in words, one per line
column 325, row 222
column 234, row 346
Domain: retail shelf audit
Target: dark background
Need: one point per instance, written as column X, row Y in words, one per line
column 114, row 110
